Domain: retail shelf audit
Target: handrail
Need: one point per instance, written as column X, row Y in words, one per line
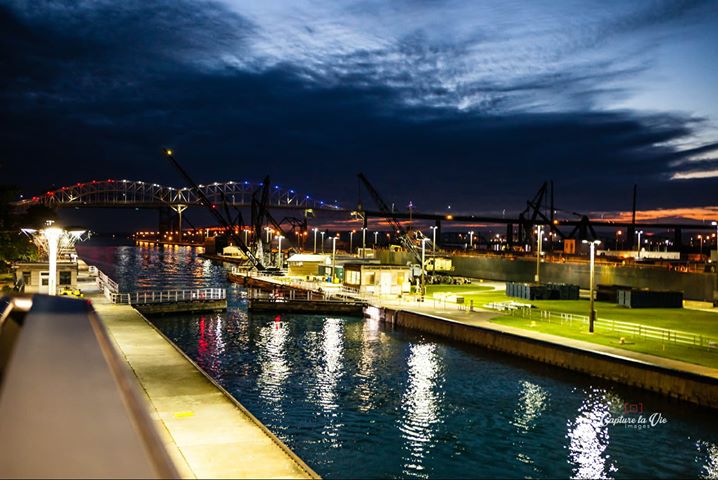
column 633, row 329
column 167, row 296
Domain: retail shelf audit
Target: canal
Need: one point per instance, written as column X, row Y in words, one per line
column 355, row 398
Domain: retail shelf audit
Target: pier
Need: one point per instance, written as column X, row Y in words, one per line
column 210, row 434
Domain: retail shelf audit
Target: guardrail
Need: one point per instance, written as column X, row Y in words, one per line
column 635, row 330
column 169, row 296
column 106, row 285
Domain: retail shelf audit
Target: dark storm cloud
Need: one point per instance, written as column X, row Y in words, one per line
column 95, row 93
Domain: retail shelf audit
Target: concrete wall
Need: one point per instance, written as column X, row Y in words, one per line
column 695, row 286
column 698, row 389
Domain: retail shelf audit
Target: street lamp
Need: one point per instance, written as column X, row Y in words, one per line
column 640, row 232
column 700, row 251
column 376, row 238
column 322, row 233
column 351, row 241
column 433, row 239
column 315, row 239
column 715, row 224
column 592, row 310
column 471, row 239
column 246, row 231
column 539, row 243
column 423, row 263
column 279, row 253
column 619, row 238
column 334, row 256
column 363, row 241
column 269, row 232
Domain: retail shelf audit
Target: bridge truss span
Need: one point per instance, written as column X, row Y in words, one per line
column 139, row 194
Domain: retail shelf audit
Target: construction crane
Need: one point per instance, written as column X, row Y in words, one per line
column 403, row 235
column 224, row 223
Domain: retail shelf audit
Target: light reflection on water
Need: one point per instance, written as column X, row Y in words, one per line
column 421, row 404
column 589, row 437
column 355, row 399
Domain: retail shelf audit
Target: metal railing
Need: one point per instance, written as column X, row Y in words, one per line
column 169, row 296
column 106, row 284
column 635, row 330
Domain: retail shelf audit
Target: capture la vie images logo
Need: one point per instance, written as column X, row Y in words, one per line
column 633, row 416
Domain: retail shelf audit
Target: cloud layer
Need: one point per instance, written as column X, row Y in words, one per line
column 468, row 103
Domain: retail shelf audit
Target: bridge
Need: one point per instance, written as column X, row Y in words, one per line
column 138, row 194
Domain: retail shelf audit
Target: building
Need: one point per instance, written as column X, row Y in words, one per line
column 233, row 252
column 377, row 279
column 36, row 275
column 304, row 264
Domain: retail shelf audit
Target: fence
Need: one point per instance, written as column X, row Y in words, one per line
column 635, row 330
column 166, row 296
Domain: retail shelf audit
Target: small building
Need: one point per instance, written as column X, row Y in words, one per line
column 233, row 252
column 305, row 264
column 36, row 275
column 377, row 279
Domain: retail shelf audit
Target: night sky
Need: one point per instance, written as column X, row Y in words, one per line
column 465, row 103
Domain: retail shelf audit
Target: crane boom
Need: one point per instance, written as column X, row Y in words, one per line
column 213, row 210
column 384, row 208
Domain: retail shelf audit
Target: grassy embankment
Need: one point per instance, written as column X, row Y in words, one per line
column 684, row 320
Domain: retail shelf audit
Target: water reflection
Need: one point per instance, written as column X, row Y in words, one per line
column 709, row 451
column 366, row 374
column 421, row 403
column 274, row 366
column 588, row 438
column 329, row 373
column 533, row 400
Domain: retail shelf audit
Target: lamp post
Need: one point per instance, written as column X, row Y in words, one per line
column 471, row 239
column 433, row 249
column 363, row 242
column 315, row 239
column 715, row 224
column 246, row 231
column 539, row 243
column 334, row 256
column 640, row 232
column 700, row 251
column 53, row 235
column 376, row 238
column 279, row 253
column 423, row 263
column 269, row 232
column 351, row 241
column 619, row 238
column 322, row 233
column 592, row 310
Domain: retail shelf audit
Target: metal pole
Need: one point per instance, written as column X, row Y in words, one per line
column 351, row 242
column 322, row 233
column 363, row 242
column 53, row 239
column 334, row 252
column 539, row 230
column 315, row 240
column 592, row 315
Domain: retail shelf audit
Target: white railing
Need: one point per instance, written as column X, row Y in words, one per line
column 106, row 285
column 169, row 296
column 635, row 330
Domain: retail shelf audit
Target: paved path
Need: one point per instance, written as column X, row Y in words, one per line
column 207, row 434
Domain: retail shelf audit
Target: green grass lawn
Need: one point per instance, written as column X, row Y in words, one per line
column 696, row 321
column 700, row 356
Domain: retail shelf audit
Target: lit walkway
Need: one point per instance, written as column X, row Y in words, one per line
column 207, row 434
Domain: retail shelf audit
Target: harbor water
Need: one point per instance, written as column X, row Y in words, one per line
column 354, row 398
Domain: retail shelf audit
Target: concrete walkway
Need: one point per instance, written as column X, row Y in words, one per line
column 207, row 434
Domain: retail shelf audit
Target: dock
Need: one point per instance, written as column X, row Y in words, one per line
column 327, row 307
column 208, row 433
